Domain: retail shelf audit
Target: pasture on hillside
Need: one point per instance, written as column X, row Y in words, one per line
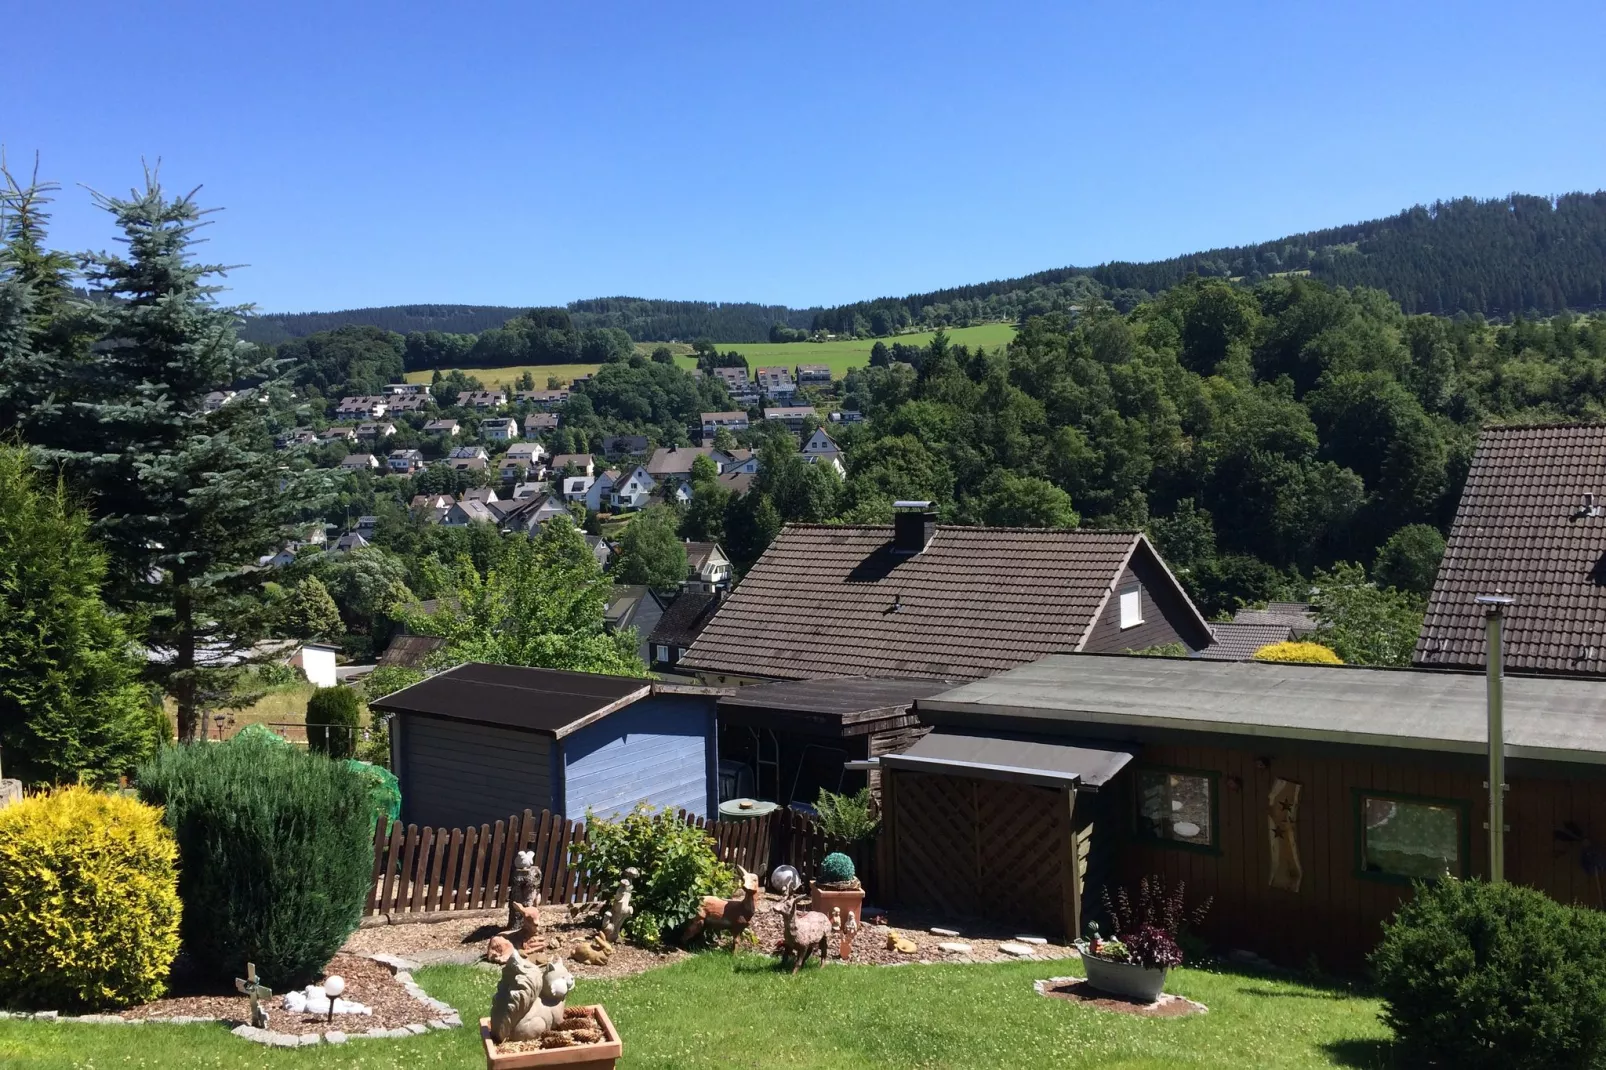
column 841, row 354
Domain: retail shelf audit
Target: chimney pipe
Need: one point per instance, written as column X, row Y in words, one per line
column 913, row 525
column 1494, row 606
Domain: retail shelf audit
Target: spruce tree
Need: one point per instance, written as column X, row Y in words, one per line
column 185, row 500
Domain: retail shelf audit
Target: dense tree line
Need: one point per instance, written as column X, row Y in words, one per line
column 273, row 328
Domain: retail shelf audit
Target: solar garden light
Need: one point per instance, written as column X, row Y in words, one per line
column 333, row 985
column 1495, row 606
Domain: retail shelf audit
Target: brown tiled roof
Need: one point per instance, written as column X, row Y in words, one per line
column 1519, row 531
column 835, row 601
column 1237, row 641
column 1294, row 615
column 685, row 618
column 410, row 651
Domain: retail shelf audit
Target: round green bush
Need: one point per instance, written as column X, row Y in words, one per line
column 275, row 854
column 675, row 867
column 836, row 868
column 1480, row 976
column 333, row 714
column 89, row 906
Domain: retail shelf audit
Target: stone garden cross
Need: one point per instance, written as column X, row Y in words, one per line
column 258, row 992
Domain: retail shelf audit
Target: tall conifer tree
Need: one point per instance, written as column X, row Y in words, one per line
column 186, row 500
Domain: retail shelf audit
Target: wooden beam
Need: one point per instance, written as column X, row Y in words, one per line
column 1070, row 872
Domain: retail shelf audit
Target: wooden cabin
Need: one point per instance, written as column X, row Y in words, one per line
column 1304, row 799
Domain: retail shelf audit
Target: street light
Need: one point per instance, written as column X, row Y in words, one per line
column 1494, row 610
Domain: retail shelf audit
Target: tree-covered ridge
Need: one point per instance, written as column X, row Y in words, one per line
column 274, row 328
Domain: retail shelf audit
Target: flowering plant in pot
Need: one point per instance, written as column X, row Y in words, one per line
column 1133, row 962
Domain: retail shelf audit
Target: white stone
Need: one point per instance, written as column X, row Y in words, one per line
column 1019, row 950
column 312, row 1000
column 935, row 931
column 955, row 946
column 284, row 1040
column 46, row 1016
column 404, row 977
column 454, row 1019
column 309, row 1039
column 1035, row 941
column 417, row 1028
column 334, row 1036
column 250, row 1032
column 438, row 1023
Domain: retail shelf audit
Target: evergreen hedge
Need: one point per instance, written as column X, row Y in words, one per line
column 332, row 717
column 275, row 854
column 1482, row 976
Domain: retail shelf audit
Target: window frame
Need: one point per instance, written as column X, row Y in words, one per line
column 1120, row 606
column 1462, row 808
column 661, row 651
column 1139, row 831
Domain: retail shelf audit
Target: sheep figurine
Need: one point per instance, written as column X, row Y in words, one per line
column 805, row 932
column 530, row 997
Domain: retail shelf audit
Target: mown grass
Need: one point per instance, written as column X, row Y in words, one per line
column 713, row 1011
column 840, row 355
column 282, row 704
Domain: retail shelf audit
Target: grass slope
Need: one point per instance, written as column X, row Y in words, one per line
column 840, row 355
column 713, row 1012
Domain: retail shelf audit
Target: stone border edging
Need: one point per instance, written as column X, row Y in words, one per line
column 400, row 968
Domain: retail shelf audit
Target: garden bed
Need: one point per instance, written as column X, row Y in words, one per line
column 870, row 943
column 1078, row 990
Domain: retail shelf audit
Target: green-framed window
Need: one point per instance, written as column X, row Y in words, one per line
column 1178, row 807
column 1410, row 837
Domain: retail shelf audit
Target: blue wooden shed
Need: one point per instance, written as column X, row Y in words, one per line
column 479, row 742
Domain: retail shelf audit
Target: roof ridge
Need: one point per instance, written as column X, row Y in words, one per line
column 1567, row 425
column 795, row 525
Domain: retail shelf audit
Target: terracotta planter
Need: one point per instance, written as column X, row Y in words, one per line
column 849, row 901
column 1124, row 979
column 582, row 1057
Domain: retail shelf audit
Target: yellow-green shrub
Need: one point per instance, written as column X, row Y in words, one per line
column 89, row 904
column 1309, row 653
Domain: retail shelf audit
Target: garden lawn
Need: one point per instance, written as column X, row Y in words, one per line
column 712, row 1012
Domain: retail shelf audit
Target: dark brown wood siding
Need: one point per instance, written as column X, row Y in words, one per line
column 1166, row 616
column 1336, row 915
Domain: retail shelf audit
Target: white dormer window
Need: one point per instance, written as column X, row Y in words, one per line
column 1131, row 607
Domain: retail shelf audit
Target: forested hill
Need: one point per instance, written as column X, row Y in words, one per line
column 645, row 320
column 1517, row 254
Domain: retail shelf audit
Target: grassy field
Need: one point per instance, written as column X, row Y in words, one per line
column 713, row 1011
column 840, row 355
column 284, row 704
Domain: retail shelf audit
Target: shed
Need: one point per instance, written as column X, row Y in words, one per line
column 785, row 741
column 479, row 742
column 317, row 663
column 1303, row 798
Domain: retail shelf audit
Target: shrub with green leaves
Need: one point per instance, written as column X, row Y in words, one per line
column 89, row 906
column 333, row 714
column 275, row 853
column 836, row 868
column 676, row 863
column 847, row 818
column 1480, row 976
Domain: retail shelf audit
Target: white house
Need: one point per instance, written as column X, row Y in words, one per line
column 468, row 453
column 580, row 462
column 634, row 491
column 575, row 487
column 441, row 427
column 790, row 416
column 737, row 461
column 501, row 429
column 601, row 489
column 405, row 462
column 317, row 662
column 372, row 406
column 529, row 453
column 732, row 421
column 360, row 462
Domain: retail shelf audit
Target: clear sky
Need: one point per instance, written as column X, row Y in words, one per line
column 533, row 153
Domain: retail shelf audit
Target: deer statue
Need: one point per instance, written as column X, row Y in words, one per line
column 527, row 936
column 530, row 997
column 733, row 915
column 804, row 933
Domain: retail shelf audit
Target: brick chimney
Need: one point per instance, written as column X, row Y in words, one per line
column 913, row 525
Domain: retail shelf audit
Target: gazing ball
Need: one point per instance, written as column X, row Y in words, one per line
column 333, row 985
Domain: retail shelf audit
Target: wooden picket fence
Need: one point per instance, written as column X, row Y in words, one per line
column 434, row 870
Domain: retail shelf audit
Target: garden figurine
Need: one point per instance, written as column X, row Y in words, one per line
column 804, row 933
column 732, row 915
column 526, row 887
column 619, row 908
column 530, row 997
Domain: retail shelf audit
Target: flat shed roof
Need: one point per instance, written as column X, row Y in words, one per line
column 1014, row 758
column 837, row 697
column 1546, row 718
column 553, row 702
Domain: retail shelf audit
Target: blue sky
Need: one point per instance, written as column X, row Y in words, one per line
column 530, row 153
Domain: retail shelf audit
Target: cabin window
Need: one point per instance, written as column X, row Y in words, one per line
column 1404, row 837
column 663, row 652
column 1178, row 807
column 1132, row 607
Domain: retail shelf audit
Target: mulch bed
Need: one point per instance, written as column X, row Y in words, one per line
column 870, row 943
column 1077, row 990
column 367, row 982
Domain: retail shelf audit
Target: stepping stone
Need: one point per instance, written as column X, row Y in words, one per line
column 1035, row 941
column 1019, row 950
column 935, row 931
column 955, row 946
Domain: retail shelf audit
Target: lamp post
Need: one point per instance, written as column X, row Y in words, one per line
column 1494, row 610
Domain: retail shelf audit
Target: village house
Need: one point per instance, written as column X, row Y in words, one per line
column 501, row 429
column 468, row 464
column 362, row 407
column 847, row 416
column 448, row 428
column 733, row 421
column 409, row 403
column 484, row 400
column 776, row 383
column 529, row 513
column 216, row 400
column 575, row 487
column 537, row 422
column 580, row 463
column 624, row 445
column 679, row 626
column 479, row 742
column 376, row 430
column 512, row 469
column 597, row 493
column 601, row 550
column 432, row 508
column 820, row 446
column 461, row 453
column 479, row 494
column 738, row 483
column 468, row 511
column 348, row 542
column 1251, row 629
column 920, row 600
column 542, row 399
column 530, row 488
column 408, row 389
column 292, row 439
column 633, row 491
column 674, row 462
column 360, row 462
column 633, row 605
column 789, row 416
column 338, row 433
column 741, row 460
column 405, row 462
column 813, row 374
column 707, row 567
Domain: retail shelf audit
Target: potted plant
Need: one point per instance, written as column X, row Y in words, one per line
column 838, row 886
column 1133, row 962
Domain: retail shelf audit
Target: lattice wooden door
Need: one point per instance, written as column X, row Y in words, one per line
column 980, row 848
